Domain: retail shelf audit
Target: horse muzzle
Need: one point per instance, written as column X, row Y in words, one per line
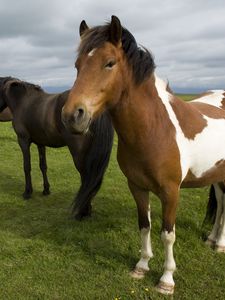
column 77, row 121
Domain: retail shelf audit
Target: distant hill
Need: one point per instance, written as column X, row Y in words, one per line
column 177, row 90
column 55, row 89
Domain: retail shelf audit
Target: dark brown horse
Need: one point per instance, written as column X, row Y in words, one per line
column 37, row 119
column 163, row 142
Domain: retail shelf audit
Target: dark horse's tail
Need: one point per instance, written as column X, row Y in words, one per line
column 95, row 163
column 211, row 207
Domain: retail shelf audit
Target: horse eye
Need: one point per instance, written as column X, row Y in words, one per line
column 110, row 64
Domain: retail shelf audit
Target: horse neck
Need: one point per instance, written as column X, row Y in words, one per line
column 137, row 112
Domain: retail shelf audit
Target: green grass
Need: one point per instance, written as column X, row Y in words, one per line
column 46, row 255
column 187, row 97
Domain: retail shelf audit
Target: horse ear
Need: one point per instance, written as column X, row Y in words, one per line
column 83, row 27
column 15, row 89
column 115, row 31
column 168, row 88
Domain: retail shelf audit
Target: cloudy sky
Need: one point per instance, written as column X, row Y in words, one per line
column 38, row 39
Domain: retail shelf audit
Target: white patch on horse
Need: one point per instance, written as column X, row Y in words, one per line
column 214, row 99
column 168, row 240
column 146, row 251
column 165, row 97
column 91, row 53
column 206, row 149
column 146, row 247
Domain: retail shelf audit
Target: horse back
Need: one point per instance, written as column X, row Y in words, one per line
column 215, row 98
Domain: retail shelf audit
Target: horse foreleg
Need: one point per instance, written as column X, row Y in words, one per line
column 169, row 204
column 142, row 200
column 25, row 147
column 43, row 168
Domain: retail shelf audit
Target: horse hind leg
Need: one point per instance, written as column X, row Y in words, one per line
column 220, row 241
column 43, row 168
column 219, row 195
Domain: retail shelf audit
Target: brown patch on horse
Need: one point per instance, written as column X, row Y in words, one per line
column 190, row 121
column 213, row 175
column 223, row 102
column 222, row 186
column 138, row 159
column 209, row 110
column 219, row 162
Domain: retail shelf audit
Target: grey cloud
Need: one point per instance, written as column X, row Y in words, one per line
column 38, row 39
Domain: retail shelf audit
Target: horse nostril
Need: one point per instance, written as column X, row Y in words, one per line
column 79, row 114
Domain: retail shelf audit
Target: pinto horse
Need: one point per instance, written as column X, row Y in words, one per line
column 37, row 119
column 163, row 143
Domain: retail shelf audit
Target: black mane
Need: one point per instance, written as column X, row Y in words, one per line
column 3, row 81
column 140, row 59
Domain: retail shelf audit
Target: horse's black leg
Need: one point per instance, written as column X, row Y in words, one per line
column 43, row 168
column 210, row 216
column 25, row 147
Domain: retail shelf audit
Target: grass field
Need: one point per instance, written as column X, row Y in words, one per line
column 46, row 255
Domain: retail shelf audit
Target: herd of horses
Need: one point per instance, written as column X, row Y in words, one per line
column 36, row 118
column 164, row 143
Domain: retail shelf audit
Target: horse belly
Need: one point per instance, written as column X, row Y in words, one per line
column 48, row 139
column 214, row 175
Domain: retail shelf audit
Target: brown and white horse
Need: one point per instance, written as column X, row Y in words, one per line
column 163, row 143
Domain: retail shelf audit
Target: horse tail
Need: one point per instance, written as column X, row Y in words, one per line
column 211, row 207
column 96, row 160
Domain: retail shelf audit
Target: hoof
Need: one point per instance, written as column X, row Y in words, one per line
column 81, row 214
column 26, row 196
column 220, row 249
column 46, row 193
column 210, row 243
column 138, row 273
column 165, row 288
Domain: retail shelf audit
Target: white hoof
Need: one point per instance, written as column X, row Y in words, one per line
column 220, row 249
column 165, row 288
column 210, row 243
column 138, row 273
